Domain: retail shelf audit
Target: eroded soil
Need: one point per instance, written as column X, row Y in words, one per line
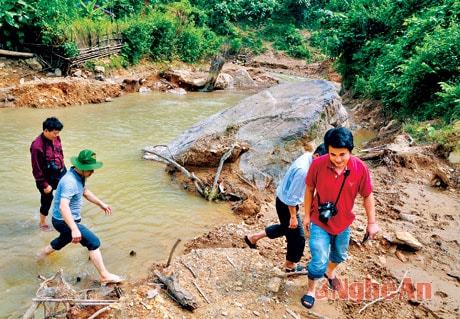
column 415, row 191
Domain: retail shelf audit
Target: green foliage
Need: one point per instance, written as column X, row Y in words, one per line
column 222, row 14
column 449, row 100
column 290, row 40
column 137, row 41
column 397, row 51
column 168, row 35
column 15, row 17
column 435, row 132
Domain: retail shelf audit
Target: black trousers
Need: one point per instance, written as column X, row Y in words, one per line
column 295, row 237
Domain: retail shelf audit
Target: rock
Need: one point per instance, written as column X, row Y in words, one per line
column 144, row 89
column 243, row 79
column 271, row 129
column 77, row 73
column 409, row 240
column 400, row 256
column 34, row 64
column 405, row 239
column 99, row 69
column 407, row 217
column 274, row 284
column 224, row 81
column 178, row 91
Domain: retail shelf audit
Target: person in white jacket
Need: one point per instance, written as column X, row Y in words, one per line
column 289, row 195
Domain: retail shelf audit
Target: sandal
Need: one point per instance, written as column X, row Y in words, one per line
column 251, row 245
column 334, row 283
column 297, row 270
column 307, row 301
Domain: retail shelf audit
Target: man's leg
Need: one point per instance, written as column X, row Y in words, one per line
column 295, row 245
column 254, row 238
column 319, row 247
column 338, row 254
column 98, row 262
column 45, row 205
column 46, row 252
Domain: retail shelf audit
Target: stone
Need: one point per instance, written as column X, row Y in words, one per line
column 274, row 284
column 270, row 129
column 409, row 240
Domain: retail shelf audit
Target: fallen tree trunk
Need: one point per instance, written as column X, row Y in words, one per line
column 17, row 54
column 216, row 65
column 176, row 291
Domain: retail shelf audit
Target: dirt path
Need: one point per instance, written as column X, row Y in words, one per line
column 415, row 191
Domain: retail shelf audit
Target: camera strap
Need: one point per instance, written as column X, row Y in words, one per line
column 345, row 175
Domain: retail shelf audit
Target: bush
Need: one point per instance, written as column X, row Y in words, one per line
column 397, row 51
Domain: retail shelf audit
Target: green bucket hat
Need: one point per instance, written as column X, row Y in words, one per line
column 86, row 161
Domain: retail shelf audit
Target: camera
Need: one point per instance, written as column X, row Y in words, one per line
column 52, row 167
column 326, row 211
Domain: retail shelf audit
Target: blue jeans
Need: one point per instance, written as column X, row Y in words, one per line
column 88, row 238
column 325, row 247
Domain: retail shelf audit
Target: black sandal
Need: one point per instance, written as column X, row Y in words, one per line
column 307, row 301
column 251, row 245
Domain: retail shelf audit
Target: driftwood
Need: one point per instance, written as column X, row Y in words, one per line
column 216, row 65
column 172, row 251
column 213, row 193
column 17, row 54
column 189, row 175
column 201, row 292
column 176, row 291
column 57, row 297
column 209, row 193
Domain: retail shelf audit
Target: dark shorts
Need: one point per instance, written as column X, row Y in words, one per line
column 88, row 238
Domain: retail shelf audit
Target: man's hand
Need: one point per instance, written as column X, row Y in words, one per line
column 48, row 189
column 372, row 229
column 306, row 223
column 106, row 208
column 293, row 223
column 76, row 235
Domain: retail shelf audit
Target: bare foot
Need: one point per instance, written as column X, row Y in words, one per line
column 45, row 227
column 113, row 279
column 46, row 252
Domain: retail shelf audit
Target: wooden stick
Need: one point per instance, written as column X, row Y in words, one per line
column 316, row 315
column 201, row 292
column 97, row 313
column 30, row 313
column 292, row 313
column 191, row 176
column 227, row 154
column 176, row 291
column 188, row 267
column 383, row 298
column 80, row 301
column 17, row 54
column 172, row 251
column 230, row 261
column 245, row 180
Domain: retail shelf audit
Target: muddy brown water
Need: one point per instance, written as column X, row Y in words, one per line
column 149, row 214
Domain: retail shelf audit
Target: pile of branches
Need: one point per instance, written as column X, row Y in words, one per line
column 61, row 300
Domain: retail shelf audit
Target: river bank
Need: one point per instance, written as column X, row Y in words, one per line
column 238, row 282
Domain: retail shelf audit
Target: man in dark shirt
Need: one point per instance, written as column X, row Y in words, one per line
column 48, row 165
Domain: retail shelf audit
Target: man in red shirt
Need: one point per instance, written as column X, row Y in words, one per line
column 333, row 183
column 48, row 164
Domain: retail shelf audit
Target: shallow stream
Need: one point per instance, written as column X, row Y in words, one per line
column 149, row 214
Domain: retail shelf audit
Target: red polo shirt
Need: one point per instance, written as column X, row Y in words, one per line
column 327, row 183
